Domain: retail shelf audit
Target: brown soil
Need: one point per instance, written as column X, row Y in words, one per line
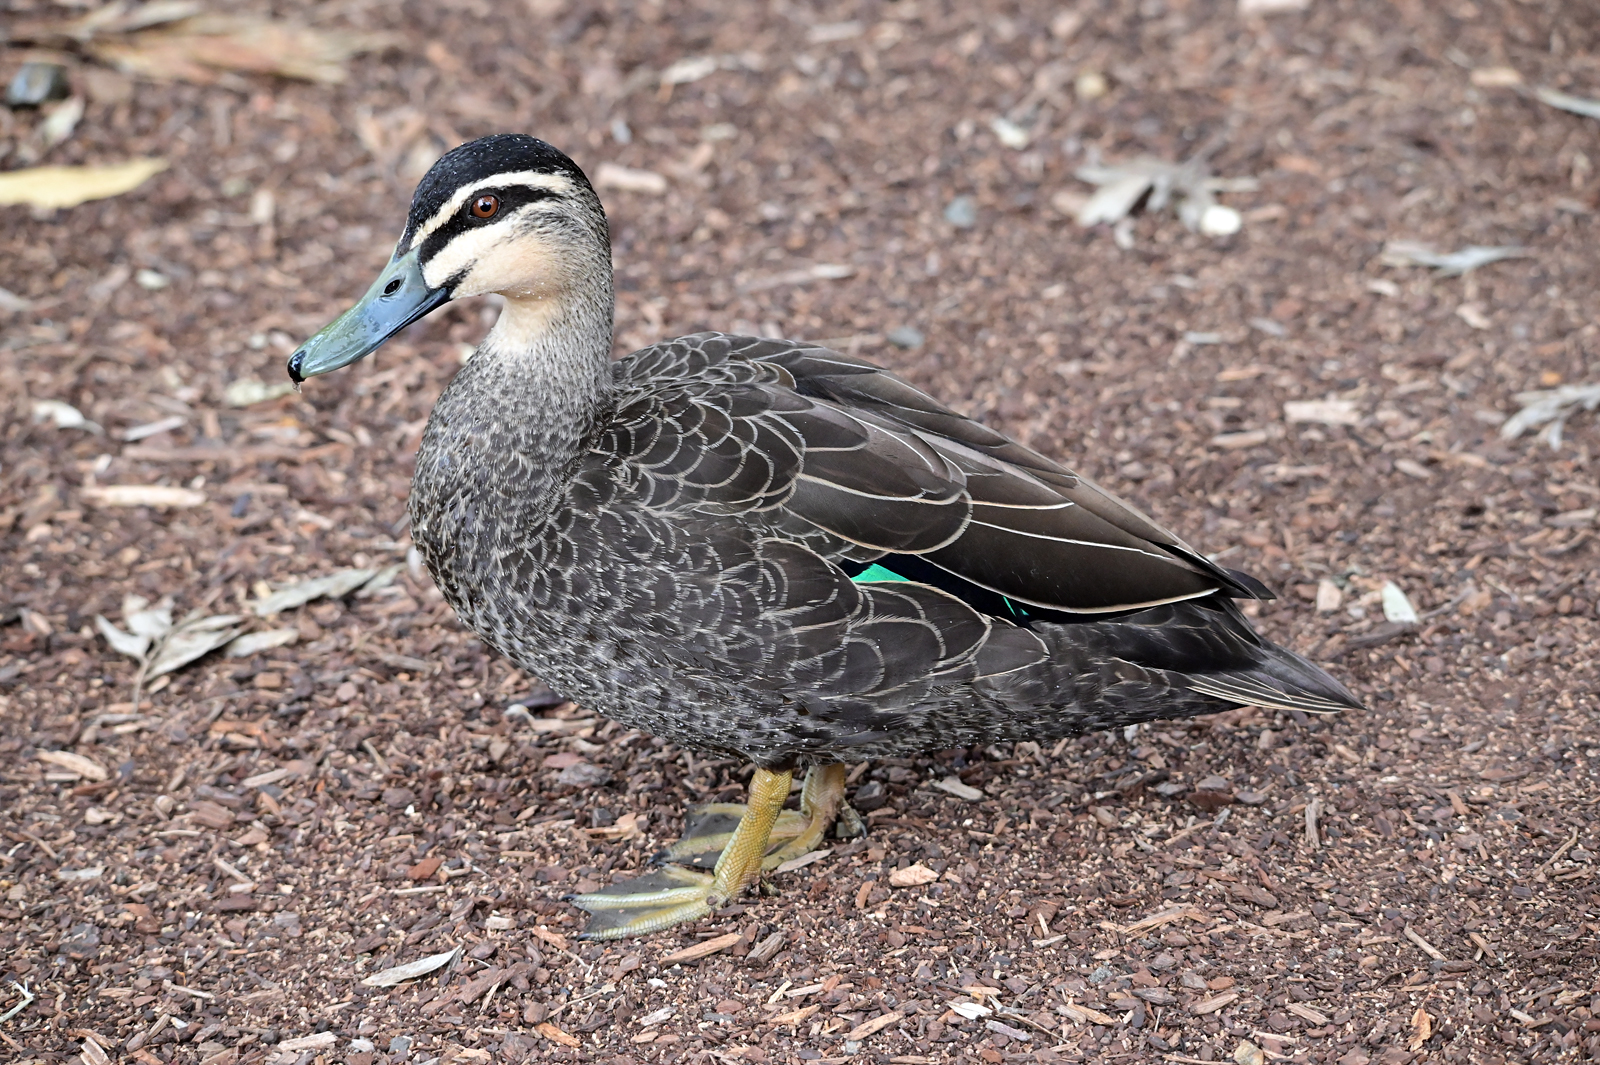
column 1434, row 913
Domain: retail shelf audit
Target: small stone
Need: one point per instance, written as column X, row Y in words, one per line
column 962, row 212
column 869, row 796
column 37, row 83
column 398, row 798
column 583, row 775
column 400, row 1045
column 905, row 337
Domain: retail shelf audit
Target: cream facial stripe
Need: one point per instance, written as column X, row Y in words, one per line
column 528, row 260
column 560, row 184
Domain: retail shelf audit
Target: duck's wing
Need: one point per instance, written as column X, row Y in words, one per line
column 837, row 445
column 762, row 476
column 712, row 466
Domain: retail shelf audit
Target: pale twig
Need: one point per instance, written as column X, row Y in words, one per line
column 1560, row 851
column 27, row 1000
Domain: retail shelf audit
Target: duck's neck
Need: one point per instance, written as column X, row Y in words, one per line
column 546, row 366
column 533, row 393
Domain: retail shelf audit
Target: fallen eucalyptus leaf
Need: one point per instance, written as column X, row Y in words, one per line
column 333, row 586
column 1553, row 406
column 1449, row 264
column 399, row 974
column 146, row 620
column 1189, row 186
column 63, row 415
column 380, row 580
column 1396, row 607
column 67, row 186
column 199, row 49
column 1566, row 102
column 252, row 643
column 132, row 644
column 191, row 640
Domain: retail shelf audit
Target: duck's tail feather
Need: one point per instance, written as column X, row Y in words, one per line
column 1282, row 680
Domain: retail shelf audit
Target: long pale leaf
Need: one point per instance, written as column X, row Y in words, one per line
column 192, row 640
column 132, row 644
column 68, row 186
column 399, row 974
column 333, row 586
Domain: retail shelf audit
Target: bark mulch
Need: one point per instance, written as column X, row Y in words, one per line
column 1410, row 883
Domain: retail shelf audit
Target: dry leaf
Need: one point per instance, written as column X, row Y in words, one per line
column 1566, row 102
column 1421, row 1030
column 198, row 49
column 333, row 586
column 912, row 876
column 84, row 767
column 67, row 186
column 63, row 415
column 141, row 495
column 803, row 860
column 132, row 644
column 1396, row 607
column 191, row 640
column 1449, row 264
column 255, row 642
column 399, row 974
column 1189, row 186
column 1554, row 407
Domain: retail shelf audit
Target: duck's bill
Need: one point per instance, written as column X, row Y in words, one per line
column 399, row 297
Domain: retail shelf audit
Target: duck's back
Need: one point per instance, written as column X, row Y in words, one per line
column 775, row 549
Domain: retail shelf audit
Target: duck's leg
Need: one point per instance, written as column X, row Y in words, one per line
column 672, row 894
column 821, row 802
column 708, row 828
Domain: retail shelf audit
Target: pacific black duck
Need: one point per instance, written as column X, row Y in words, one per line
column 763, row 547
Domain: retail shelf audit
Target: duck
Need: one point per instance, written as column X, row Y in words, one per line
column 763, row 548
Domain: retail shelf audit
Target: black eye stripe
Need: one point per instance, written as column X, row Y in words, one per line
column 511, row 197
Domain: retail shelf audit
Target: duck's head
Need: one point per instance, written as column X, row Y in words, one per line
column 507, row 214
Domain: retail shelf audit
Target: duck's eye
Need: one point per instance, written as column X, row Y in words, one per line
column 485, row 206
